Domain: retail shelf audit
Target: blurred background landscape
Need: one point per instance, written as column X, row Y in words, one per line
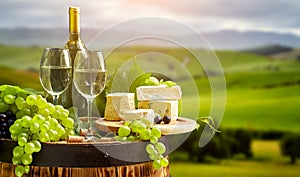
column 256, row 42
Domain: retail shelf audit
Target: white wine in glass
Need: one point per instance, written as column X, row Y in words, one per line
column 55, row 71
column 89, row 78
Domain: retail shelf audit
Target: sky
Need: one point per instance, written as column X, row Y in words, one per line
column 282, row 16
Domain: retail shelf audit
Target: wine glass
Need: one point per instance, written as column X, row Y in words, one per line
column 55, row 71
column 89, row 78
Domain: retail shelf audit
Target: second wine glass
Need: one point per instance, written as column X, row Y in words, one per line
column 89, row 78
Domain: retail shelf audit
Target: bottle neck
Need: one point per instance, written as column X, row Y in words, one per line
column 74, row 22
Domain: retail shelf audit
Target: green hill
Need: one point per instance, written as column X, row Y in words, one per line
column 22, row 78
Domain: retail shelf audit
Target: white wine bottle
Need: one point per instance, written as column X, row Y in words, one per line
column 74, row 44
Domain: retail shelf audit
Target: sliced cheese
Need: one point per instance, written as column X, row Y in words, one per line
column 161, row 107
column 117, row 103
column 139, row 114
column 145, row 93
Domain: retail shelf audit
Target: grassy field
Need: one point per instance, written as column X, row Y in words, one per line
column 267, row 162
column 261, row 93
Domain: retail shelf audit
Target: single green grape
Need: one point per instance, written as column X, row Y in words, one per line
column 140, row 126
column 44, row 111
column 22, row 105
column 31, row 100
column 41, row 102
column 19, row 115
column 150, row 148
column 26, row 121
column 34, row 127
column 157, row 164
column 156, row 132
column 23, row 134
column 15, row 128
column 53, row 122
column 9, row 99
column 19, row 170
column 18, row 151
column 37, row 146
column 131, row 138
column 124, row 131
column 153, row 139
column 44, row 137
column 164, row 162
column 145, row 134
column 160, row 148
column 35, row 136
column 22, row 141
column 16, row 160
column 34, row 109
column 14, row 137
column 19, row 100
column 51, row 108
column 60, row 130
column 39, row 97
column 38, row 119
column 26, row 111
column 3, row 106
column 13, row 108
column 154, row 155
column 44, row 127
column 29, row 148
column 26, row 159
column 69, row 122
column 59, row 107
column 26, row 169
column 65, row 112
column 11, row 90
column 53, row 135
column 57, row 114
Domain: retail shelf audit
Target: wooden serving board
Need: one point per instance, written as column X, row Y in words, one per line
column 181, row 125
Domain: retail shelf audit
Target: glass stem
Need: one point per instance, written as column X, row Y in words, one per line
column 89, row 118
column 55, row 99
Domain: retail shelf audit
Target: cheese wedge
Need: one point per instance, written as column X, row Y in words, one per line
column 139, row 114
column 161, row 107
column 145, row 93
column 116, row 104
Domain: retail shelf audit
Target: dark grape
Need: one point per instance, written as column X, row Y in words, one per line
column 9, row 114
column 4, row 134
column 10, row 121
column 4, row 125
column 2, row 117
column 167, row 119
column 157, row 119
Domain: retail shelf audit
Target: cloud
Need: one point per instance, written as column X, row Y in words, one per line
column 252, row 14
column 276, row 15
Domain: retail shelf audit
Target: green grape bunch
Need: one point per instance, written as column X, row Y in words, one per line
column 37, row 121
column 143, row 130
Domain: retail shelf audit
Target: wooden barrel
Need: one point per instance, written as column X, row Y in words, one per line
column 136, row 170
column 88, row 159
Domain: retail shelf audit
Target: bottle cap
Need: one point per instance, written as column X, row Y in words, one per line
column 74, row 10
